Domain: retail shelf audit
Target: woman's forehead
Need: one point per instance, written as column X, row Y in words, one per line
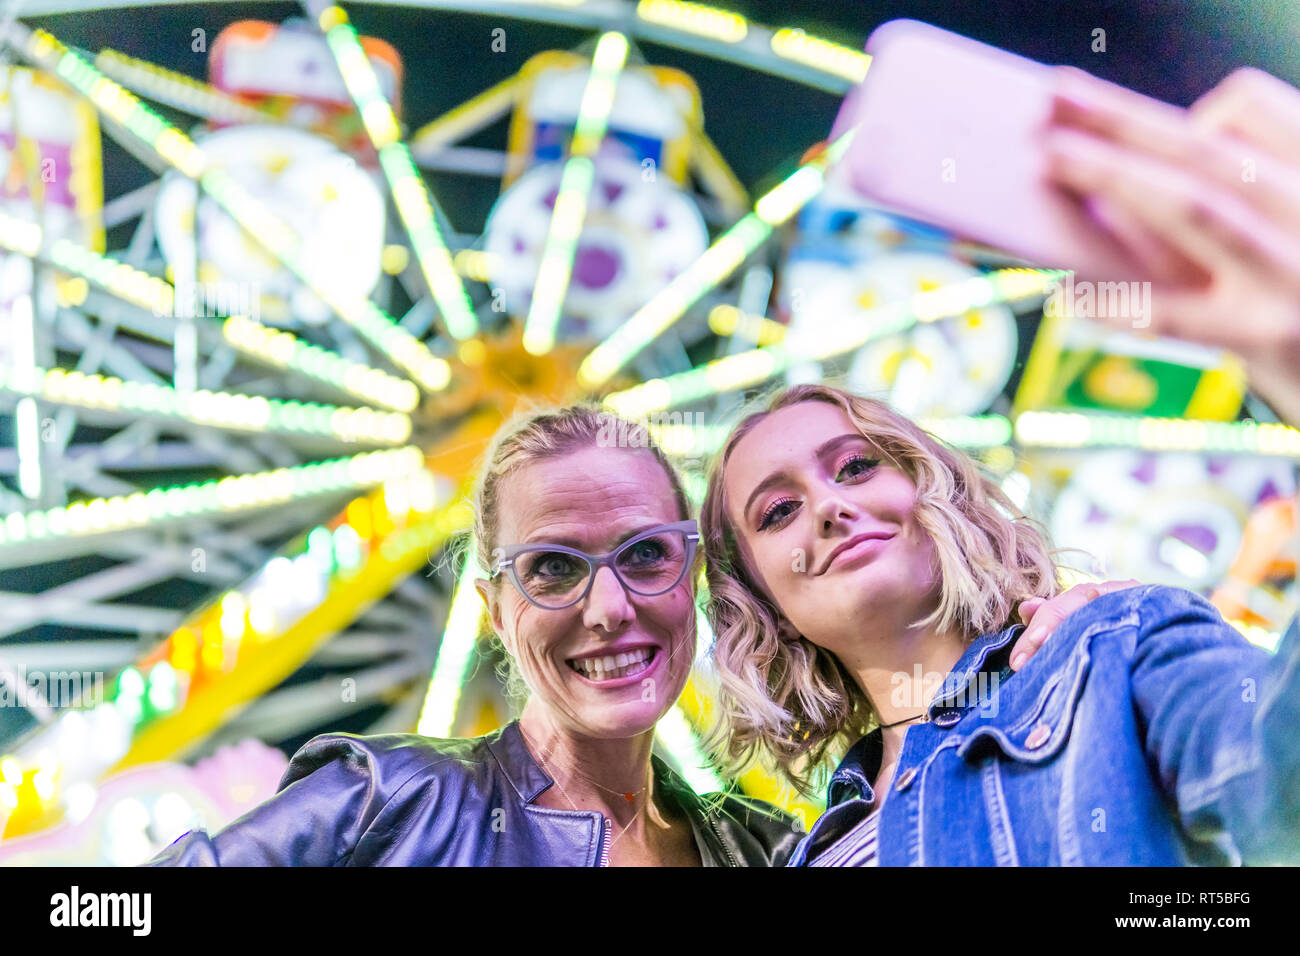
column 788, row 436
column 594, row 490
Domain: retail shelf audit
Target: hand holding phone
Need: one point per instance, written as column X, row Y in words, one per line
column 952, row 131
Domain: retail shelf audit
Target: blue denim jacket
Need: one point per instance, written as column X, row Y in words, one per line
column 1145, row 732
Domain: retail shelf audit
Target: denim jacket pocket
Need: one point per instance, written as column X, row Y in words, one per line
column 1036, row 726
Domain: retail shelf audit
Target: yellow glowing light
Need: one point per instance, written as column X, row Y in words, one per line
column 358, row 515
column 184, row 650
column 834, row 58
column 721, row 25
column 394, row 259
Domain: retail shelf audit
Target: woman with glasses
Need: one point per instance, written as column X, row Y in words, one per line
column 592, row 562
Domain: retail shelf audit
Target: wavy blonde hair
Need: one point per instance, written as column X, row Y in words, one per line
column 538, row 434
column 790, row 704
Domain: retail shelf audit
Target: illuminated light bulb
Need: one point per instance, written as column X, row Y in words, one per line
column 423, row 492
column 394, row 259
column 320, row 545
column 79, row 801
column 261, row 612
column 213, row 656
column 834, row 58
column 397, row 502
column 111, row 393
column 8, row 796
column 341, row 424
column 791, row 195
column 279, row 575
column 77, row 519
column 162, row 687
column 283, row 479
column 347, row 547
column 11, row 771
column 36, row 525
column 359, row 517
column 16, row 527
column 721, row 25
column 43, row 784
column 130, row 683
column 381, row 519
column 184, row 650
column 130, row 709
column 434, row 374
column 309, row 580
column 97, row 514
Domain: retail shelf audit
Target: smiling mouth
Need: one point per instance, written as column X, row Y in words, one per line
column 614, row 666
column 850, row 546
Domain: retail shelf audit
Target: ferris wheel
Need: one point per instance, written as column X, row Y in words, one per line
column 246, row 394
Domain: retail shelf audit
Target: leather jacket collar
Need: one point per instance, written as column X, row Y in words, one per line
column 725, row 826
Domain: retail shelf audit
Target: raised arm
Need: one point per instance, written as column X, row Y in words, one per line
column 1220, row 720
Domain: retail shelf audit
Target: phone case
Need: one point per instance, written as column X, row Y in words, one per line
column 948, row 131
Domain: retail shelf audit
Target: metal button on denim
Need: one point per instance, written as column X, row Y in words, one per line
column 904, row 779
column 1038, row 736
column 947, row 718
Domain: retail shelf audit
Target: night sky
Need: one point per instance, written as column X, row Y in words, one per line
column 1173, row 50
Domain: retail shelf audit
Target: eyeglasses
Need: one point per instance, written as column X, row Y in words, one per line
column 553, row 577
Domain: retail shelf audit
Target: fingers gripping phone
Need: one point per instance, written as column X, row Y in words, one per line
column 949, row 130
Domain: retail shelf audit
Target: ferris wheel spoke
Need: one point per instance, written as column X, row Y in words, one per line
column 178, row 90
column 66, row 531
column 237, row 647
column 415, row 204
column 719, row 261
column 576, row 178
column 113, row 399
column 754, row 366
column 279, row 349
column 164, row 141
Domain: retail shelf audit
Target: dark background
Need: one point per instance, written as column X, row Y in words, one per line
column 1171, row 49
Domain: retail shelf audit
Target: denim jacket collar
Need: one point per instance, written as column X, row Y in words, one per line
column 860, row 765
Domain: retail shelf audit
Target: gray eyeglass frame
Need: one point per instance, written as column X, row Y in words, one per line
column 503, row 559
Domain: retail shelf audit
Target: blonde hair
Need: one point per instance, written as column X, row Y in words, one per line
column 789, row 703
column 537, row 435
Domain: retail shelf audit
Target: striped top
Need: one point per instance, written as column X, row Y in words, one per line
column 856, row 848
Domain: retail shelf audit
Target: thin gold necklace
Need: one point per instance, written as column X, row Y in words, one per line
column 630, row 797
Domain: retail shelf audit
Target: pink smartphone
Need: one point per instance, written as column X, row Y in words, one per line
column 949, row 132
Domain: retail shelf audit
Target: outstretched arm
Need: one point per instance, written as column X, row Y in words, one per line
column 1220, row 720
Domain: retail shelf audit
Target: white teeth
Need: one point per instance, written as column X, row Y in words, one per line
column 614, row 666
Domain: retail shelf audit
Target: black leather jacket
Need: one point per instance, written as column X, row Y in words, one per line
column 408, row 800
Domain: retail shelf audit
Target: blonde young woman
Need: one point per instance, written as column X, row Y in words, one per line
column 592, row 565
column 862, row 578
